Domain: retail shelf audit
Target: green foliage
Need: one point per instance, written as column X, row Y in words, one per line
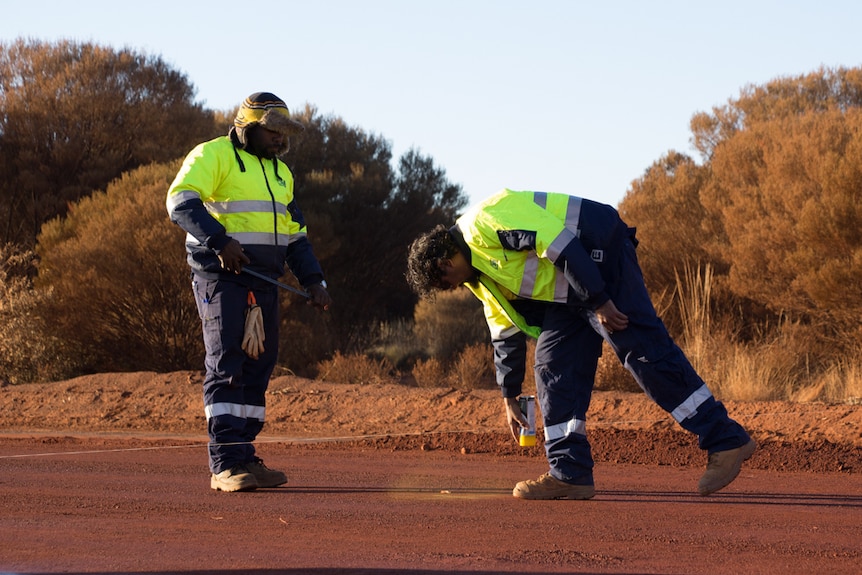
column 77, row 115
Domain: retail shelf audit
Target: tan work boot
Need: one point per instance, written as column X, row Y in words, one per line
column 265, row 476
column 723, row 467
column 549, row 487
column 236, row 478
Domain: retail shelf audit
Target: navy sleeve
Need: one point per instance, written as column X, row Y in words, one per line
column 582, row 273
column 510, row 362
column 194, row 218
column 303, row 263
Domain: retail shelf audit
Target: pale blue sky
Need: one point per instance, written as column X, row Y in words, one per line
column 571, row 96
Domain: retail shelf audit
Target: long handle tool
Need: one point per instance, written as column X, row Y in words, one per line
column 275, row 282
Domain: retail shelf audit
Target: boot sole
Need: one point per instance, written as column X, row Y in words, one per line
column 219, row 486
column 568, row 496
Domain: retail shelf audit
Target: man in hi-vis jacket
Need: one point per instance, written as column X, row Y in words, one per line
column 563, row 270
column 234, row 198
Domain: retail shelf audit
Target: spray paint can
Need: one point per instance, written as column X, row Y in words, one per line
column 527, row 403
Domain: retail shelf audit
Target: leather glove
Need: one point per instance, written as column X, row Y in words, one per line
column 253, row 337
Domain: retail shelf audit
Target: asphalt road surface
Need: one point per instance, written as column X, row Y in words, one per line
column 142, row 504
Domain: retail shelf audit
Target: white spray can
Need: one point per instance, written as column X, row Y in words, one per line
column 527, row 403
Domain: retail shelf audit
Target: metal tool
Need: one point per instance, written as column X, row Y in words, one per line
column 276, row 282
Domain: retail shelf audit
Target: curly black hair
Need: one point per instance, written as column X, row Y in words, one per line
column 423, row 260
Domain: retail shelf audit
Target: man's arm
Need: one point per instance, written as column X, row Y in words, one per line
column 510, row 363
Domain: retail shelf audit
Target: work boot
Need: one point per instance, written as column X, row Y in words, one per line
column 237, row 478
column 723, row 467
column 265, row 476
column 549, row 487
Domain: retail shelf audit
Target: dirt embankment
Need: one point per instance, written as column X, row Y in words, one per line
column 623, row 427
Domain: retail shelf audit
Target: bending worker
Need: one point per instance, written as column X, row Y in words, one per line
column 563, row 270
column 234, row 198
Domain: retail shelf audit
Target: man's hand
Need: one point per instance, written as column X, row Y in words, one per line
column 515, row 420
column 232, row 257
column 320, row 298
column 611, row 318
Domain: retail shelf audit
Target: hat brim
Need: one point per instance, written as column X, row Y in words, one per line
column 278, row 120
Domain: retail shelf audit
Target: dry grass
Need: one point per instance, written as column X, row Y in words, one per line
column 776, row 367
column 784, row 362
column 357, row 369
column 474, row 368
column 430, row 373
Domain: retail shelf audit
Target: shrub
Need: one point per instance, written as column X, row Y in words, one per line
column 448, row 323
column 474, row 368
column 356, row 369
column 430, row 373
column 29, row 350
column 396, row 341
column 122, row 296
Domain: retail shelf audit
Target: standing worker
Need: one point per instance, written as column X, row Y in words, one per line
column 563, row 270
column 234, row 198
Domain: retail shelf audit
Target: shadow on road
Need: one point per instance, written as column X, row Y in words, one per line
column 784, row 499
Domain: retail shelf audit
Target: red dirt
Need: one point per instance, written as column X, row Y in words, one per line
column 107, row 474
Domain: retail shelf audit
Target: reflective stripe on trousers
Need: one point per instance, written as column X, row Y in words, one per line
column 560, row 430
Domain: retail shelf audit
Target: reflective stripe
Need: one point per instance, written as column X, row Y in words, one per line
column 560, row 430
column 255, row 238
column 573, row 210
column 559, row 244
column 503, row 333
column 260, row 238
column 573, row 215
column 245, row 206
column 235, row 409
column 689, row 407
column 178, row 198
column 541, row 199
column 528, row 280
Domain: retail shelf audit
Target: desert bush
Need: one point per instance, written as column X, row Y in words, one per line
column 430, row 373
column 473, row 368
column 304, row 337
column 122, row 290
column 396, row 341
column 786, row 362
column 29, row 350
column 448, row 323
column 357, row 368
column 356, row 203
column 75, row 116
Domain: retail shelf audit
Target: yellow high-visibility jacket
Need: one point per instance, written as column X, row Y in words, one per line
column 223, row 192
column 531, row 246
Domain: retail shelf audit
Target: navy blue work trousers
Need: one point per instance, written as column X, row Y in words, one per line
column 567, row 354
column 235, row 384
